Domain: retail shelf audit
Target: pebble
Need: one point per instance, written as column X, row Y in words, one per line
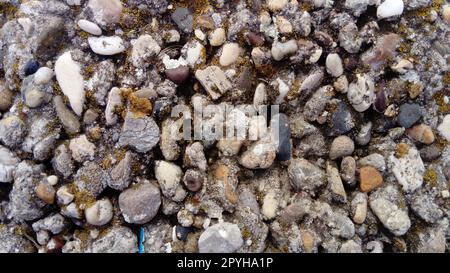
column 349, row 38
column 45, row 192
column 422, row 133
column 214, row 81
column 364, row 134
column 430, row 153
column 194, row 180
column 230, row 54
column 43, row 75
column 89, row 27
column 335, row 184
column 30, row 67
column 280, row 50
column 342, row 120
column 6, row 97
column 220, row 238
column 183, row 19
column 408, row 169
column 260, row 155
column 67, row 118
column 341, row 146
column 369, row 178
column 280, row 123
column 350, row 247
column 100, row 213
column 118, row 239
column 334, row 65
column 68, row 75
column 444, row 128
column 178, row 75
column 341, row 84
column 195, row 156
column 375, row 160
column 114, row 102
column 270, row 205
column 275, row 5
column 34, row 98
column 305, row 176
column 348, row 170
column 121, row 173
column 145, row 50
column 169, row 176
column 52, row 180
column 315, row 106
column 217, row 37
column 12, row 131
column 361, row 93
column 82, row 149
column 64, row 196
column 106, row 12
column 408, row 115
column 140, row 203
column 390, row 8
column 140, row 133
column 106, row 45
column 446, row 13
column 359, row 208
column 8, row 163
column 391, row 216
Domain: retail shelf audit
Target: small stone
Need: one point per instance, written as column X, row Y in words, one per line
column 361, row 93
column 168, row 176
column 359, row 207
column 62, row 162
column 348, row 170
column 341, row 146
column 67, row 118
column 305, row 176
column 52, row 180
column 315, row 106
column 275, row 5
column 114, row 101
column 280, row 50
column 8, row 163
column 195, row 156
column 430, row 153
column 12, row 131
column 106, row 12
column 260, row 155
column 194, row 180
column 214, row 81
column 68, row 74
column 6, row 97
column 117, row 239
column 350, row 247
column 183, row 18
column 81, row 148
column 421, row 133
column 121, row 173
column 335, row 184
column 64, row 196
column 217, row 37
column 220, row 238
column 30, row 67
column 408, row 115
column 140, row 133
column 144, row 51
column 283, row 24
column 369, row 178
column 140, row 203
column 89, row 27
column 375, row 160
column 444, row 128
column 341, row 84
column 100, row 213
column 34, row 98
column 349, row 38
column 178, row 75
column 408, row 168
column 446, row 13
column 230, row 54
column 45, row 192
column 107, row 46
column 334, row 65
column 390, row 8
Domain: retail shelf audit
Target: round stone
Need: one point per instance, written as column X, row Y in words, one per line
column 341, row 146
column 100, row 213
column 140, row 203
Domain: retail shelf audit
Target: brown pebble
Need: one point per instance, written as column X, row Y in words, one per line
column 370, row 178
column 205, row 22
column 178, row 75
column 255, row 39
column 46, row 192
column 421, row 133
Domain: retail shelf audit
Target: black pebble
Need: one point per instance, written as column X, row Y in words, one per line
column 182, row 232
column 408, row 115
column 31, row 67
column 284, row 145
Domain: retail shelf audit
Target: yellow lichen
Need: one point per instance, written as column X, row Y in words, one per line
column 402, row 150
column 430, row 177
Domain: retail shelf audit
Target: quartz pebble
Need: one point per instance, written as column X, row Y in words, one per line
column 220, row 238
column 334, row 65
column 107, row 46
column 230, row 53
column 390, row 8
column 444, row 128
column 68, row 74
column 281, row 50
column 100, row 213
column 89, row 27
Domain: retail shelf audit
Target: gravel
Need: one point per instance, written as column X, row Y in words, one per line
column 339, row 111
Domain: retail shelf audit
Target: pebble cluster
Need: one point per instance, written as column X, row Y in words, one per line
column 88, row 159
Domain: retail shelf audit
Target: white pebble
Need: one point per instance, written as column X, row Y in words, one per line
column 230, row 53
column 100, row 213
column 106, row 45
column 334, row 65
column 43, row 75
column 68, row 74
column 390, row 8
column 281, row 50
column 52, row 180
column 217, row 37
column 90, row 27
column 444, row 128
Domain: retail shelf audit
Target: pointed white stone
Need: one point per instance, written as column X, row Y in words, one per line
column 68, row 75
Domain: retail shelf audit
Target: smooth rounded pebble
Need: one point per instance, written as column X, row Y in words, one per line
column 100, row 213
column 106, row 45
column 90, row 27
column 390, row 8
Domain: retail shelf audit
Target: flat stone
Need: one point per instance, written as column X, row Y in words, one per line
column 140, row 133
column 408, row 115
column 369, row 178
column 107, row 46
column 214, row 81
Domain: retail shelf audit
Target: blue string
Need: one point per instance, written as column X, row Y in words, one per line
column 141, row 240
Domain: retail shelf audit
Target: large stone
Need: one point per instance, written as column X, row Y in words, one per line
column 140, row 203
column 220, row 238
column 139, row 133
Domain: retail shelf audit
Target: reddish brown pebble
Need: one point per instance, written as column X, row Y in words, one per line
column 370, row 178
column 178, row 75
column 46, row 192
